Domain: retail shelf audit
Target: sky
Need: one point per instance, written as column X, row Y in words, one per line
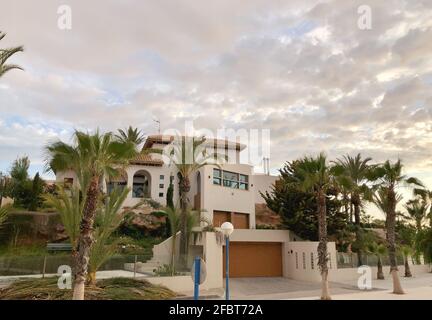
column 305, row 70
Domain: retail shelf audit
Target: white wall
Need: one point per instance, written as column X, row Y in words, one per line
column 306, row 272
column 215, row 197
column 347, row 274
column 262, row 183
column 7, row 201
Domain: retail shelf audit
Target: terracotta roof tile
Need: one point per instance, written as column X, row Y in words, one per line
column 146, row 159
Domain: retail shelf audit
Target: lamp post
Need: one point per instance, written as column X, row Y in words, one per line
column 227, row 229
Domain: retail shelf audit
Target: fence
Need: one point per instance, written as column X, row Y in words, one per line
column 26, row 265
column 350, row 260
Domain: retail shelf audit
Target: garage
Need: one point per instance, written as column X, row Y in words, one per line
column 254, row 259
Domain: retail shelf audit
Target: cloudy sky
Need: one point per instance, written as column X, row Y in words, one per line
column 303, row 69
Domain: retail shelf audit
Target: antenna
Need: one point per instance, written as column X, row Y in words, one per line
column 158, row 124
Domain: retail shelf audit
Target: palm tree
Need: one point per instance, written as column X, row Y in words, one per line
column 92, row 157
column 108, row 219
column 188, row 154
column 390, row 178
column 417, row 210
column 4, row 211
column 353, row 173
column 406, row 252
column 316, row 176
column 426, row 196
column 5, row 54
column 379, row 250
column 131, row 135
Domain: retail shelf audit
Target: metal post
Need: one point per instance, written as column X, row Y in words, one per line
column 44, row 267
column 135, row 263
column 197, row 277
column 227, row 268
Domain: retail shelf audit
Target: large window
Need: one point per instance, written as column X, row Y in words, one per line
column 230, row 179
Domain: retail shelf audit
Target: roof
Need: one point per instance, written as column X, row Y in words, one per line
column 167, row 139
column 146, row 159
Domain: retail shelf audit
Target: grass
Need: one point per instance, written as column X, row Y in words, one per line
column 108, row 289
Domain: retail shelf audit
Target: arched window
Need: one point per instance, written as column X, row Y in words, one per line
column 141, row 184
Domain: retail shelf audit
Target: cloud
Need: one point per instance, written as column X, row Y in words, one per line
column 302, row 69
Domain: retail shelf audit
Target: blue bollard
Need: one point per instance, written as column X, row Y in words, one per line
column 197, row 263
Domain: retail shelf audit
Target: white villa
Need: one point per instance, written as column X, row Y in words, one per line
column 227, row 193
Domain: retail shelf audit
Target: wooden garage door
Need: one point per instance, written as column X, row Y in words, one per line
column 254, row 259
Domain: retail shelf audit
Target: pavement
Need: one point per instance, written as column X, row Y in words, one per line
column 417, row 287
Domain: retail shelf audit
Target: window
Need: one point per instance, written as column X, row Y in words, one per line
column 312, row 261
column 244, row 182
column 296, row 255
column 161, row 194
column 171, row 179
column 161, row 185
column 217, row 177
column 230, row 179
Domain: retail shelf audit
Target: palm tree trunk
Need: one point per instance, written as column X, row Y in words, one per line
column 322, row 246
column 91, row 278
column 356, row 204
column 184, row 186
column 85, row 239
column 391, row 238
column 408, row 273
column 380, row 273
column 173, row 249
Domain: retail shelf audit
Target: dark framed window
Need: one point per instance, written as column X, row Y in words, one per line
column 161, row 185
column 217, row 177
column 161, row 177
column 230, row 179
column 161, row 194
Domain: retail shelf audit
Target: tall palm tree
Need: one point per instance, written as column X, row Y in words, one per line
column 316, row 176
column 92, row 157
column 188, row 154
column 389, row 176
column 131, row 135
column 353, row 174
column 5, row 54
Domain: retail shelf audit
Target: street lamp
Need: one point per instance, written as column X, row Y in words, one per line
column 227, row 229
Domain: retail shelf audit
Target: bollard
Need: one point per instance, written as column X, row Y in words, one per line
column 197, row 263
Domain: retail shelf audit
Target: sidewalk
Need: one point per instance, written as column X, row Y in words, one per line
column 422, row 293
